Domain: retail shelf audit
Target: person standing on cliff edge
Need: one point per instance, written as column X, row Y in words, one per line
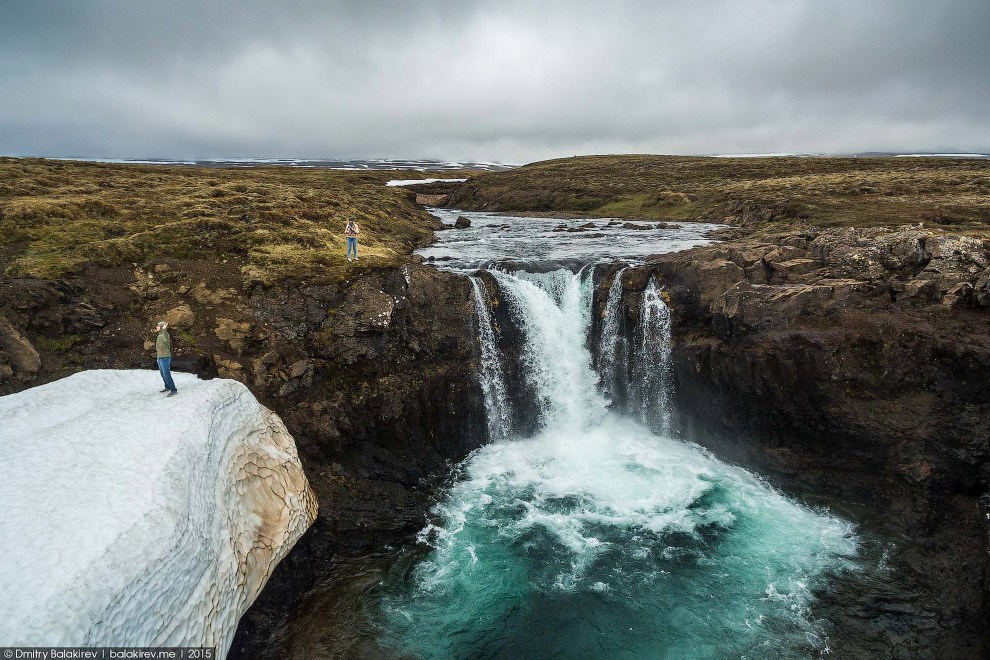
column 351, row 231
column 163, row 349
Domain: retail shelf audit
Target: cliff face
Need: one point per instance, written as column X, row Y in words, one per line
column 853, row 366
column 373, row 377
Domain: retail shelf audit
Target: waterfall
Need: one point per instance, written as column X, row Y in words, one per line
column 653, row 361
column 598, row 525
column 554, row 312
column 492, row 380
column 611, row 344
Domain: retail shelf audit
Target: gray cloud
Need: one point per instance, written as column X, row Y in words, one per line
column 514, row 81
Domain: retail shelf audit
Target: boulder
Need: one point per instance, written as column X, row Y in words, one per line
column 82, row 318
column 715, row 277
column 229, row 368
column 180, row 317
column 981, row 290
column 959, row 295
column 298, row 368
column 18, row 351
column 785, row 253
column 784, row 270
column 234, row 333
column 462, row 222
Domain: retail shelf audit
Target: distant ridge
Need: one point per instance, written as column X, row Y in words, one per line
column 864, row 154
column 424, row 165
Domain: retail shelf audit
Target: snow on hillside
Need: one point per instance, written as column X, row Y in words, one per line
column 129, row 518
column 413, row 182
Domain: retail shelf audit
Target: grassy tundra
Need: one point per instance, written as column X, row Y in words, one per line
column 951, row 193
column 58, row 217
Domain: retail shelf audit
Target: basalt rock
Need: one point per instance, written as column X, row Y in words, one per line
column 18, row 358
column 853, row 366
column 180, row 317
column 374, row 377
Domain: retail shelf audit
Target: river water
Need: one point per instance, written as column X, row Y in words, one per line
column 596, row 537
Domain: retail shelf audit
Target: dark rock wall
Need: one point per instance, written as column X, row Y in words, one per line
column 374, row 377
column 848, row 366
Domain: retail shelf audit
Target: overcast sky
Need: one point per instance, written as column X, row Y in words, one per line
column 509, row 81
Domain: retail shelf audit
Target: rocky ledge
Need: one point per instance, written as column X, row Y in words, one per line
column 853, row 366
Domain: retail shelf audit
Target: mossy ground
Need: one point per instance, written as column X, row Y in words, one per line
column 57, row 218
column 822, row 191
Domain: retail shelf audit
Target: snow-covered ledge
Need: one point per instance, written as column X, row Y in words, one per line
column 131, row 518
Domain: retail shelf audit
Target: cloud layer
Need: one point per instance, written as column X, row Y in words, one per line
column 512, row 81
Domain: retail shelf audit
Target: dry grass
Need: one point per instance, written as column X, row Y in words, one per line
column 822, row 191
column 57, row 218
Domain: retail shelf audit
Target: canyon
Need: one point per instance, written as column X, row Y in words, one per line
column 848, row 366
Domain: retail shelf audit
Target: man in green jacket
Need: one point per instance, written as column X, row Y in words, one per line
column 163, row 348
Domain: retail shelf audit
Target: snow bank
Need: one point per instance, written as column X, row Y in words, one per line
column 413, row 182
column 131, row 518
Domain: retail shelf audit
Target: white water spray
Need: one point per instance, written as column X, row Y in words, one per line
column 554, row 310
column 492, row 380
column 611, row 345
column 653, row 361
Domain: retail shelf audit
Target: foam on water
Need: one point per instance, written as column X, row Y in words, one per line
column 616, row 543
column 544, row 244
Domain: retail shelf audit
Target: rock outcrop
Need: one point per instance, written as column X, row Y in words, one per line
column 852, row 366
column 135, row 520
column 18, row 358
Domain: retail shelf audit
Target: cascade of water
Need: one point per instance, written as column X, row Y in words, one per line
column 653, row 360
column 554, row 311
column 611, row 344
column 492, row 380
column 595, row 526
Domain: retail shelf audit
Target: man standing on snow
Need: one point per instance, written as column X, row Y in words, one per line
column 163, row 348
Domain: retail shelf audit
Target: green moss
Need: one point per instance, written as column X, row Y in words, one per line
column 58, row 344
column 186, row 338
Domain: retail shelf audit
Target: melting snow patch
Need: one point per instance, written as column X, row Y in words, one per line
column 413, row 182
column 135, row 519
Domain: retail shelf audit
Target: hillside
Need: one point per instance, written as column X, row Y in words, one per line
column 952, row 193
column 57, row 218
